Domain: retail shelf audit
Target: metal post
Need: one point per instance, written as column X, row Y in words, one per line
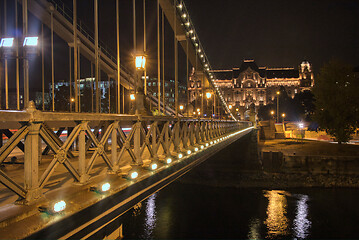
column 144, row 45
column 26, row 61
column 134, row 41
column 75, row 52
column 70, row 78
column 31, row 162
column 118, row 59
column 6, row 69
column 176, row 56
column 187, row 77
column 202, row 90
column 163, row 63
column 52, row 61
column 79, row 78
column 82, row 153
column 137, row 143
column 155, row 145
column 277, row 120
column 97, row 73
column 91, row 86
column 109, row 93
column 123, row 99
column 42, row 67
column 158, row 58
column 17, row 60
column 114, row 144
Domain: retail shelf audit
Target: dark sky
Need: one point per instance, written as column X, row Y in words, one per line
column 277, row 33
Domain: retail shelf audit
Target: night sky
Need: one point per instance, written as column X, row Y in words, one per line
column 275, row 33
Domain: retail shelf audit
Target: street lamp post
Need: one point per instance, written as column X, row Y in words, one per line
column 278, row 93
column 208, row 96
column 140, row 62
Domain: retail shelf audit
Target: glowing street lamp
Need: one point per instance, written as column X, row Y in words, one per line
column 7, row 42
column 283, row 116
column 208, row 95
column 139, row 97
column 181, row 107
column 31, row 41
column 132, row 97
column 140, row 62
column 230, row 106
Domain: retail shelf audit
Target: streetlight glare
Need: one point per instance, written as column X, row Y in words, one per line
column 140, row 62
column 31, row 41
column 181, row 107
column 7, row 42
column 278, row 92
column 208, row 95
column 230, row 106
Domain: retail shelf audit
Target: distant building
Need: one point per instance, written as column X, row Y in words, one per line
column 152, row 88
column 254, row 86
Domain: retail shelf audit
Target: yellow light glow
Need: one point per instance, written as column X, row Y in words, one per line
column 181, row 107
column 237, row 109
column 272, row 112
column 198, row 110
column 283, row 114
column 278, row 92
column 208, row 95
column 140, row 62
column 230, row 106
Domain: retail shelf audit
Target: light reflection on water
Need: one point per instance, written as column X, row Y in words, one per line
column 150, row 220
column 254, row 229
column 277, row 222
column 301, row 223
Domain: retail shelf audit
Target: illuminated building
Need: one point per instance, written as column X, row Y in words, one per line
column 253, row 86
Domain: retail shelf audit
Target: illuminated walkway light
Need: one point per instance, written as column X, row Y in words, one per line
column 196, row 149
column 207, row 144
column 105, row 187
column 180, row 155
column 154, row 166
column 134, row 175
column 168, row 160
column 59, row 206
column 189, row 152
column 202, row 146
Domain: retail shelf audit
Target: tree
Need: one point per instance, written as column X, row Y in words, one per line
column 336, row 100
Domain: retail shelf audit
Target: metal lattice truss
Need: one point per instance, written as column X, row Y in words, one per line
column 109, row 142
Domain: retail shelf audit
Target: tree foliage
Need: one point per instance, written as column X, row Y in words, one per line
column 336, row 100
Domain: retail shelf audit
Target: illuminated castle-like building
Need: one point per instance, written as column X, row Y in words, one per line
column 254, row 86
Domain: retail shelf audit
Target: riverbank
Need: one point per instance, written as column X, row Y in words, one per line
column 280, row 163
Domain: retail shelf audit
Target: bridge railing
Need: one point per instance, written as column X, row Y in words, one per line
column 82, row 145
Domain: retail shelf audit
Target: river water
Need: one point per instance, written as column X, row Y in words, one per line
column 195, row 211
column 184, row 210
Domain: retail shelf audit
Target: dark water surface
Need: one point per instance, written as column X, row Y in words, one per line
column 195, row 211
column 184, row 210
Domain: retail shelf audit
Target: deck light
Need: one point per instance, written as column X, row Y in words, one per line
column 211, row 142
column 154, row 166
column 196, row 149
column 189, row 152
column 105, row 187
column 134, row 175
column 180, row 155
column 132, row 97
column 207, row 144
column 59, row 206
column 202, row 146
column 168, row 160
column 184, row 15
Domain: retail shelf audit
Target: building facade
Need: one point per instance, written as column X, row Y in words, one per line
column 253, row 86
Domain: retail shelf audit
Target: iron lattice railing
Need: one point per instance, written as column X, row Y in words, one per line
column 89, row 142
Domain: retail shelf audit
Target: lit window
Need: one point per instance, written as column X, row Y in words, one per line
column 149, row 84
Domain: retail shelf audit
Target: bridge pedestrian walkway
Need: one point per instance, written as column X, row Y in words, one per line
column 157, row 150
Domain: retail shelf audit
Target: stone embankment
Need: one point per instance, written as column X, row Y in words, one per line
column 280, row 163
